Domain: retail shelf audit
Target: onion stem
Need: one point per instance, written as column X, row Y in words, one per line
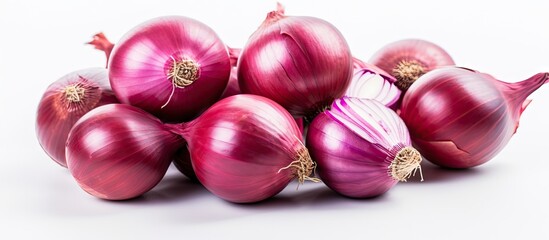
column 405, row 164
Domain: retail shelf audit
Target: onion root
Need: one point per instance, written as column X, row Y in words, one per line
column 304, row 166
column 405, row 164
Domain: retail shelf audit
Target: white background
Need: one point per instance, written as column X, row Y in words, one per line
column 41, row 41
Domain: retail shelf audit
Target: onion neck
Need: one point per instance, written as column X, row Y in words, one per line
column 517, row 92
column 181, row 129
column 407, row 72
column 405, row 164
column 100, row 42
column 274, row 16
column 303, row 166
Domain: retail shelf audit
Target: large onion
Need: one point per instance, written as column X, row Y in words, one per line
column 173, row 67
column 461, row 118
column 302, row 63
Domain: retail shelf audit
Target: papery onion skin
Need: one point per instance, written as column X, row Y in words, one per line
column 143, row 66
column 59, row 108
column 302, row 63
column 459, row 118
column 119, row 152
column 371, row 82
column 408, row 59
column 243, row 148
column 355, row 157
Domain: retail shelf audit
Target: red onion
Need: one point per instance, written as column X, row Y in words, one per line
column 408, row 59
column 460, row 118
column 173, row 67
column 64, row 102
column 371, row 82
column 362, row 148
column 302, row 63
column 246, row 148
column 119, row 152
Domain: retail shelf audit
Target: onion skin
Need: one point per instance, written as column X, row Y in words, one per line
column 119, row 152
column 427, row 54
column 459, row 118
column 354, row 157
column 241, row 148
column 142, row 61
column 56, row 114
column 302, row 63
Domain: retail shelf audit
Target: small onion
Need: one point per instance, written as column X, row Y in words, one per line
column 119, row 152
column 408, row 59
column 460, row 118
column 371, row 82
column 173, row 67
column 64, row 102
column 302, row 63
column 362, row 148
column 246, row 148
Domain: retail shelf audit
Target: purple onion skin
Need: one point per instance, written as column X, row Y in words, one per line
column 56, row 115
column 424, row 53
column 460, row 118
column 240, row 146
column 345, row 172
column 141, row 61
column 302, row 63
column 119, row 152
column 355, row 144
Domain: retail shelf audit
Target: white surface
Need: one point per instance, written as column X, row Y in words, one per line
column 507, row 197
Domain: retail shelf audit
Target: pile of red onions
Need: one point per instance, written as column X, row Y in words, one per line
column 234, row 119
column 245, row 148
